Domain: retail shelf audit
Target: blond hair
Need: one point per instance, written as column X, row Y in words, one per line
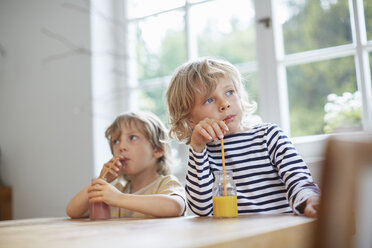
column 152, row 128
column 193, row 78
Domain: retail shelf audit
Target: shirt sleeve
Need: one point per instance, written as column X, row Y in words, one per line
column 170, row 185
column 115, row 211
column 199, row 183
column 291, row 168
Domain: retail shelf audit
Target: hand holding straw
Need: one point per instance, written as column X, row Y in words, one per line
column 105, row 173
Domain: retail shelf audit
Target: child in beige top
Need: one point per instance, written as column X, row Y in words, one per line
column 142, row 156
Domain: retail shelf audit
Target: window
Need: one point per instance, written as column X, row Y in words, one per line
column 303, row 61
column 321, row 49
column 165, row 34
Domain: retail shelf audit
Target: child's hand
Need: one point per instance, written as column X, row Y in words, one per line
column 206, row 131
column 312, row 206
column 111, row 168
column 102, row 191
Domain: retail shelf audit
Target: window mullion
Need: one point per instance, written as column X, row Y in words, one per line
column 191, row 40
column 272, row 76
column 129, row 100
column 362, row 60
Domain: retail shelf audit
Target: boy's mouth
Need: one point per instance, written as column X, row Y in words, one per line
column 124, row 161
column 229, row 118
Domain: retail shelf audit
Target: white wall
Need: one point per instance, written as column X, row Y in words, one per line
column 45, row 104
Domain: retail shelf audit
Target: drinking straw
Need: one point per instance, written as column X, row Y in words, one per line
column 223, row 168
column 113, row 162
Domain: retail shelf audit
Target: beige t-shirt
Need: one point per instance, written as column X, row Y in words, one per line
column 166, row 185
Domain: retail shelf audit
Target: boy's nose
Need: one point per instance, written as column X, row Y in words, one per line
column 224, row 106
column 122, row 149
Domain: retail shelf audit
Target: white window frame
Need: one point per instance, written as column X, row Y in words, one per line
column 272, row 72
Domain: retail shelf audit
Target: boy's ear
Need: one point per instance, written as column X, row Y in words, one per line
column 158, row 152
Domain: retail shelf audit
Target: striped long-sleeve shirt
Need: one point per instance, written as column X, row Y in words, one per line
column 269, row 174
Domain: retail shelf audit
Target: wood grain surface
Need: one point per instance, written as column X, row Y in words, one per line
column 244, row 231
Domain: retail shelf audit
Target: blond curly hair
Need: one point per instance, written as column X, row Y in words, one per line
column 193, row 78
column 153, row 129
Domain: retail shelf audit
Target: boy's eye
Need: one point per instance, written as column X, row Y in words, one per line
column 209, row 100
column 133, row 137
column 115, row 142
column 229, row 92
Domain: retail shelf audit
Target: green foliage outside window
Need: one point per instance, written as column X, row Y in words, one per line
column 315, row 25
column 162, row 63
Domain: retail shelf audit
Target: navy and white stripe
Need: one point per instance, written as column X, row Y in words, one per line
column 269, row 174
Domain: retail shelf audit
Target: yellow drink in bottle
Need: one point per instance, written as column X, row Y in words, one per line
column 225, row 206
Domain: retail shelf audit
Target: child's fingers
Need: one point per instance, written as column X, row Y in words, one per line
column 223, row 126
column 112, row 169
column 200, row 130
column 217, row 130
column 206, row 131
column 98, row 181
column 310, row 211
column 205, row 134
column 115, row 159
column 93, row 193
column 112, row 166
column 95, row 197
column 209, row 129
column 106, row 167
column 112, row 162
column 214, row 128
column 312, row 207
column 117, row 165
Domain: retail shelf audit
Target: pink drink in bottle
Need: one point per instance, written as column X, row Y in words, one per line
column 99, row 211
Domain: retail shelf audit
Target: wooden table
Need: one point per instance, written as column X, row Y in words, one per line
column 244, row 231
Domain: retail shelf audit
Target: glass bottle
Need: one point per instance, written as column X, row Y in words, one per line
column 224, row 204
column 99, row 211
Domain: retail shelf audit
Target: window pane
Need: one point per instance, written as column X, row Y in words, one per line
column 251, row 85
column 312, row 86
column 147, row 7
column 152, row 99
column 227, row 32
column 368, row 16
column 160, row 45
column 309, row 25
column 250, row 81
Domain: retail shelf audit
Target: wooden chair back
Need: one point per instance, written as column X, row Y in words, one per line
column 346, row 158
